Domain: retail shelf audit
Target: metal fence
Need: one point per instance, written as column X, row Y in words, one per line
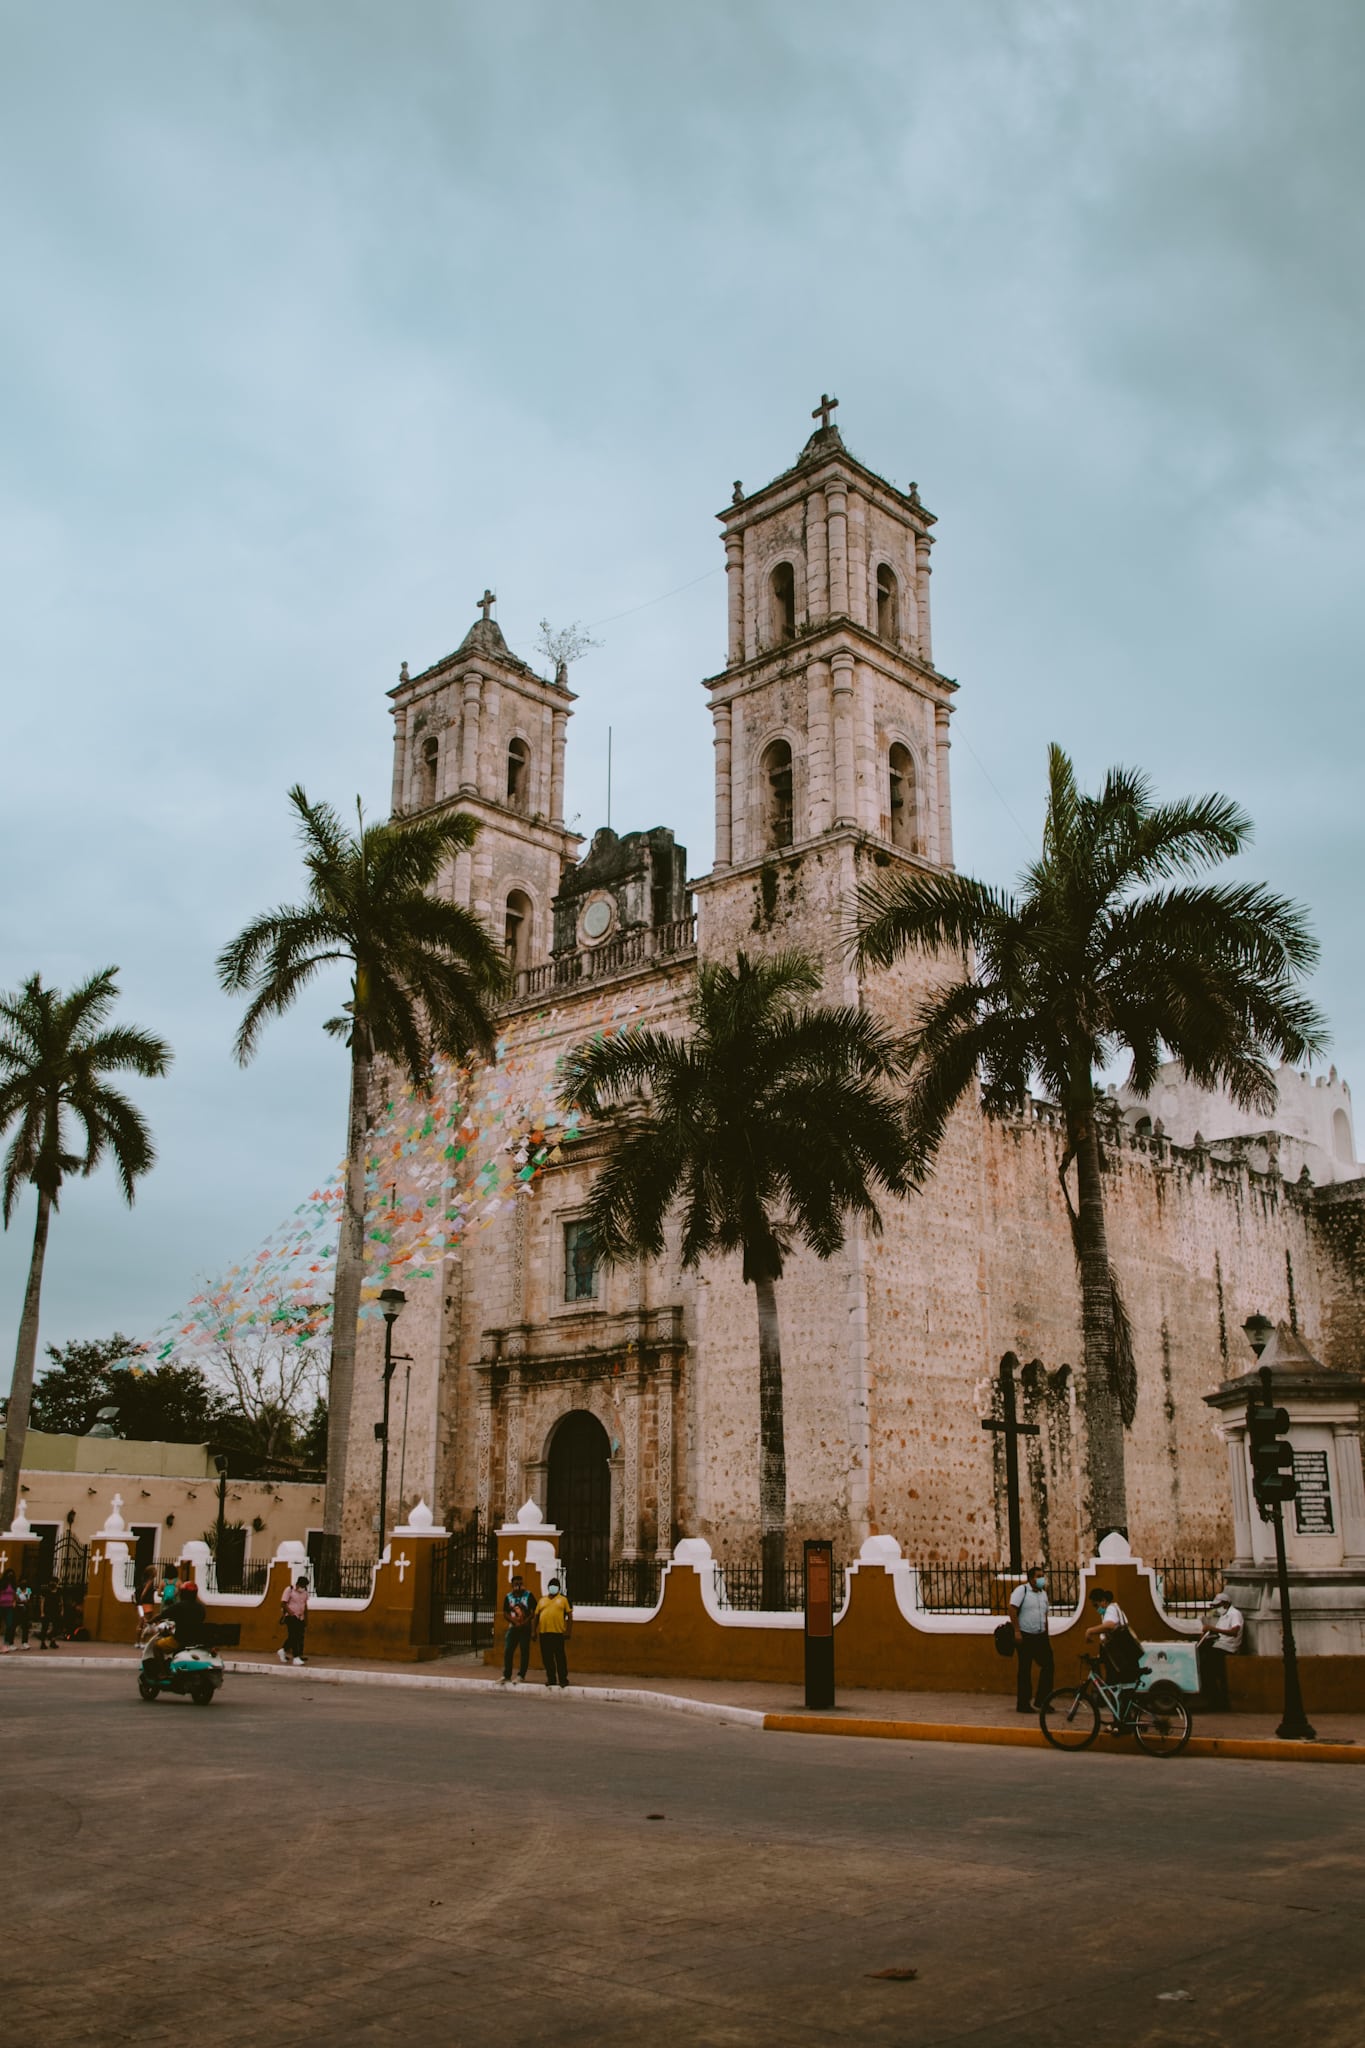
column 986, row 1588
column 628, row 1582
column 464, row 1588
column 336, row 1577
column 739, row 1586
column 1188, row 1584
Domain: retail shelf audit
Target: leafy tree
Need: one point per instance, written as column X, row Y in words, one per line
column 767, row 1126
column 423, row 973
column 55, row 1054
column 166, row 1403
column 1105, row 950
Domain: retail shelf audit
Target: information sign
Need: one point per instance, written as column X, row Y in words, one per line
column 1313, row 1501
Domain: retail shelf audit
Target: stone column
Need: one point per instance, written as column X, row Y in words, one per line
column 632, row 1386
column 734, row 583
column 447, row 763
column 464, row 878
column 469, row 752
column 836, row 498
column 857, row 558
column 817, row 558
column 665, row 1381
column 400, row 758
column 845, row 788
column 513, row 1401
column 545, row 763
column 492, row 768
column 945, row 800
column 724, row 836
column 483, row 1441
column 481, row 882
column 739, row 784
column 926, row 644
column 865, row 753
column 819, row 764
column 560, row 725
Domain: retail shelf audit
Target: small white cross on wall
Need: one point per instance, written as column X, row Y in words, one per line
column 513, row 1561
column 4, row 1559
column 401, row 1563
column 96, row 1561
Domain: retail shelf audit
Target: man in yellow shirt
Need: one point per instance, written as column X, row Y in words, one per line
column 554, row 1625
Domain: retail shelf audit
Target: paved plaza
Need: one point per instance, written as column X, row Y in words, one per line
column 304, row 1865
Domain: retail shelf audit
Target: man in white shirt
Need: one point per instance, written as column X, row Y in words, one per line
column 1028, row 1613
column 1222, row 1638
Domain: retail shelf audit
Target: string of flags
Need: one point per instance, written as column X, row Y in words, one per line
column 440, row 1168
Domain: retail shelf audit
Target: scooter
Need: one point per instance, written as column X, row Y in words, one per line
column 193, row 1672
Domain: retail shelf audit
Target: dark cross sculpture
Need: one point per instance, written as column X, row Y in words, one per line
column 1012, row 1429
column 823, row 410
column 486, row 603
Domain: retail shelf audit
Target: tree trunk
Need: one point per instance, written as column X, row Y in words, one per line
column 21, row 1387
column 772, row 1451
column 350, row 1272
column 1107, row 1496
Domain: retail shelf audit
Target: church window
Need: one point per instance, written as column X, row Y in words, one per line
column 783, row 587
column 426, row 772
column 518, row 774
column 888, row 604
column 777, row 793
column 517, row 929
column 902, row 799
column 1143, row 1127
column 580, row 1263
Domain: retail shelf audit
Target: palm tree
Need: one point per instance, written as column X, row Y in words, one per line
column 55, row 1052
column 423, row 972
column 768, row 1124
column 1104, row 952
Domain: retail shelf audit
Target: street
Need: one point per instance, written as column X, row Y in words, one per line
column 309, row 1864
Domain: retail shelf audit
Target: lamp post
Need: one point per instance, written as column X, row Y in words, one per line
column 1266, row 1424
column 220, row 1465
column 391, row 1302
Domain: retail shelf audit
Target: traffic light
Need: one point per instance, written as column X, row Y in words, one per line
column 1272, row 1457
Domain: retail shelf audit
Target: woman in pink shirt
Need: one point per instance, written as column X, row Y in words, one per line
column 294, row 1615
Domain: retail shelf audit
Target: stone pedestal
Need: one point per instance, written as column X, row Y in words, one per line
column 1324, row 1529
column 529, row 1545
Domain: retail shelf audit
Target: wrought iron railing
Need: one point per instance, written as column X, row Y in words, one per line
column 464, row 1587
column 600, row 963
column 628, row 1582
column 739, row 1586
column 1188, row 1584
column 985, row 1588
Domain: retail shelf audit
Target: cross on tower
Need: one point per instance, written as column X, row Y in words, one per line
column 486, row 603
column 401, row 1563
column 1011, row 1428
column 823, row 410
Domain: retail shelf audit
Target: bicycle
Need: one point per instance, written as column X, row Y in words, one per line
column 1071, row 1717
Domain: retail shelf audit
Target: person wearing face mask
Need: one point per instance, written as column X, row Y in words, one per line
column 1028, row 1613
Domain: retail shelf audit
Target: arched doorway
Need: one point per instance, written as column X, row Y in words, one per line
column 579, row 1502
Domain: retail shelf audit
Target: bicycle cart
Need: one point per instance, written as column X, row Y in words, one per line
column 1152, row 1709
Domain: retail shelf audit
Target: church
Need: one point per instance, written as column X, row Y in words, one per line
column 624, row 1402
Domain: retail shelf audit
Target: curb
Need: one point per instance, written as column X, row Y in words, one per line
column 983, row 1734
column 322, row 1674
column 1270, row 1750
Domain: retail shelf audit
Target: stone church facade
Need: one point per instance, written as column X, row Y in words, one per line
column 625, row 1401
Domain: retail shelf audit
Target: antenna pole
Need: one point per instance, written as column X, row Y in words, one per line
column 608, row 777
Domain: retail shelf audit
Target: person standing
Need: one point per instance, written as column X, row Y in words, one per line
column 25, row 1608
column 294, row 1615
column 1032, row 1649
column 519, row 1613
column 9, row 1606
column 553, row 1623
column 1222, row 1638
column 49, row 1614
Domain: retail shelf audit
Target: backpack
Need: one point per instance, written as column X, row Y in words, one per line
column 1004, row 1639
column 1123, row 1656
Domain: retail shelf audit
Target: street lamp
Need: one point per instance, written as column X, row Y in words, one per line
column 391, row 1302
column 220, row 1466
column 1258, row 1331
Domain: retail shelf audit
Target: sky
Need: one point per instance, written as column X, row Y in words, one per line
column 320, row 317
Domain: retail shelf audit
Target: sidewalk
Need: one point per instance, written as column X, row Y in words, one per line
column 905, row 1716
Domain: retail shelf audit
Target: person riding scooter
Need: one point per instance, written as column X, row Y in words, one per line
column 182, row 1626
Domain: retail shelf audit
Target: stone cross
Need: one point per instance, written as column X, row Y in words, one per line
column 401, row 1563
column 4, row 1559
column 487, row 601
column 1011, row 1429
column 511, row 1566
column 823, row 410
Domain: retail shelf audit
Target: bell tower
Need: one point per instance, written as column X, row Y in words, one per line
column 481, row 732
column 831, row 721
